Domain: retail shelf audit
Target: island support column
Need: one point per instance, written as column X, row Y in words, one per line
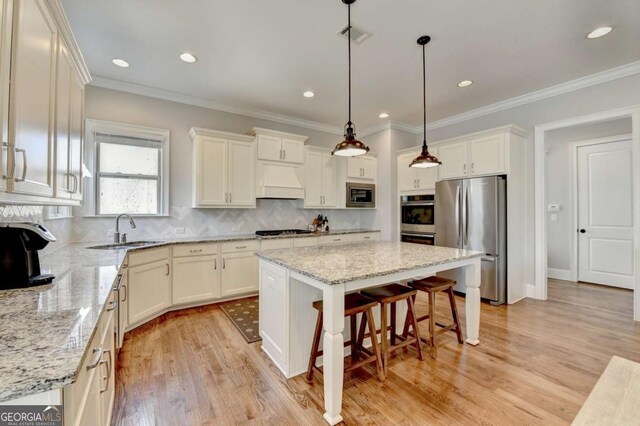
column 472, row 301
column 333, row 351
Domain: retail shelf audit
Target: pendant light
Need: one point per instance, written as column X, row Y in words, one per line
column 350, row 146
column 425, row 159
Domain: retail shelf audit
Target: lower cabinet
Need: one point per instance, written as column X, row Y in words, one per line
column 239, row 273
column 196, row 279
column 149, row 290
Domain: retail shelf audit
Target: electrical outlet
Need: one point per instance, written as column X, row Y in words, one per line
column 179, row 230
column 554, row 217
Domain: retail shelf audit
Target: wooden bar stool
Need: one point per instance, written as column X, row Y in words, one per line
column 390, row 294
column 432, row 286
column 354, row 304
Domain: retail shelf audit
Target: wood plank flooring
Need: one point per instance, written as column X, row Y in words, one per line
column 536, row 364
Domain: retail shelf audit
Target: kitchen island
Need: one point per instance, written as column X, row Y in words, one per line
column 291, row 279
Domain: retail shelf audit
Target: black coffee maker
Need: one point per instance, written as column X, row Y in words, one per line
column 19, row 261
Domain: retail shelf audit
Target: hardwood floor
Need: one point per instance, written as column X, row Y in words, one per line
column 536, row 364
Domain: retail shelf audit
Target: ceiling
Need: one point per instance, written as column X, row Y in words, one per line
column 261, row 55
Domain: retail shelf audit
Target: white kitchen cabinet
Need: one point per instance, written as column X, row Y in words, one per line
column 76, row 136
column 276, row 244
column 239, row 273
column 149, row 290
column 64, row 182
column 305, row 242
column 106, row 371
column 320, row 178
column 6, row 13
column 195, row 279
column 487, row 155
column 412, row 179
column 362, row 167
column 274, row 311
column 454, row 158
column 224, row 169
column 279, row 146
column 32, row 99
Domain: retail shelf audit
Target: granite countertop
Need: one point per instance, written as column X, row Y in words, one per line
column 351, row 262
column 46, row 329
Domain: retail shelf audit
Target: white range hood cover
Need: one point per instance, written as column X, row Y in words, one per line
column 279, row 181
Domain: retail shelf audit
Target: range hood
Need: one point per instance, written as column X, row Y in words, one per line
column 279, row 181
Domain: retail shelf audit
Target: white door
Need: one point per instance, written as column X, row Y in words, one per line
column 605, row 214
column 292, row 151
column 354, row 167
column 211, row 171
column 76, row 135
column 369, row 167
column 428, row 176
column 31, row 118
column 487, row 155
column 329, row 198
column 149, row 290
column 195, row 279
column 454, row 160
column 407, row 176
column 241, row 174
column 106, row 371
column 63, row 90
column 239, row 274
column 313, row 179
column 5, row 62
column 269, row 148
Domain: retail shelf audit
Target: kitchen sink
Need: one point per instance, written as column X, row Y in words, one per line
column 118, row 246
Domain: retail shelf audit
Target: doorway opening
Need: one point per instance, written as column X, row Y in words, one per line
column 587, row 181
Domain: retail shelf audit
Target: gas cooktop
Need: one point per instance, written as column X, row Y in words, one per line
column 275, row 232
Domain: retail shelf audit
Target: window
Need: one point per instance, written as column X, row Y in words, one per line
column 130, row 169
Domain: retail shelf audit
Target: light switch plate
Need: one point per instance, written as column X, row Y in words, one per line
column 553, row 208
column 179, row 230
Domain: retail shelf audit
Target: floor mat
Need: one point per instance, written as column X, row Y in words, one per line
column 243, row 314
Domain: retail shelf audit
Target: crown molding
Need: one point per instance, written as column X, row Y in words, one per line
column 167, row 95
column 560, row 89
column 64, row 29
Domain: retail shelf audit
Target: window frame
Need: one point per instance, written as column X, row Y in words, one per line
column 92, row 158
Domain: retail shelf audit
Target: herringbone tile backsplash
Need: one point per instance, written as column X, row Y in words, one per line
column 270, row 214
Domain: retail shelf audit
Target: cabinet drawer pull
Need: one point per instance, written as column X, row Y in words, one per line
column 284, row 154
column 367, row 238
column 337, row 239
column 75, row 183
column 223, row 263
column 240, row 247
column 464, row 168
column 215, row 264
column 97, row 358
column 195, row 251
column 8, row 175
column 109, row 365
column 472, row 167
column 24, row 163
column 112, row 305
column 124, row 287
column 167, row 265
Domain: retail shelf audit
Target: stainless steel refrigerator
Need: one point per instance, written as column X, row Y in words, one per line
column 471, row 214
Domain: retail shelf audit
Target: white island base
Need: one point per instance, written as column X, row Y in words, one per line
column 287, row 319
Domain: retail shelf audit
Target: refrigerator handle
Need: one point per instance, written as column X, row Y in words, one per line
column 466, row 216
column 458, row 215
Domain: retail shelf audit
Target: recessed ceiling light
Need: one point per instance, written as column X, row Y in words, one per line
column 188, row 57
column 308, row 94
column 120, row 63
column 465, row 83
column 599, row 32
column 383, row 115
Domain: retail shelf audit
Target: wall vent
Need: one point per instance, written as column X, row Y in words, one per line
column 358, row 35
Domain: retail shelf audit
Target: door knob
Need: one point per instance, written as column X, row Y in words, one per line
column 582, row 231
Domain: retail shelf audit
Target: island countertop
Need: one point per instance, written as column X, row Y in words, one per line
column 350, row 262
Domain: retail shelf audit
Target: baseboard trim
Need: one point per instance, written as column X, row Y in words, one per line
column 559, row 274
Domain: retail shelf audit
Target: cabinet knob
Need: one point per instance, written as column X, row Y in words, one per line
column 582, row 231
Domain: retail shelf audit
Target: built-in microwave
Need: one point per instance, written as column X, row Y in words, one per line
column 361, row 195
column 418, row 213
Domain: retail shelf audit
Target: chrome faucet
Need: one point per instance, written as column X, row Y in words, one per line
column 122, row 239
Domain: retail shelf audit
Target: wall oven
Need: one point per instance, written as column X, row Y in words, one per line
column 362, row 195
column 417, row 214
column 418, row 238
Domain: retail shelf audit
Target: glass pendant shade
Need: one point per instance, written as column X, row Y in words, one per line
column 350, row 146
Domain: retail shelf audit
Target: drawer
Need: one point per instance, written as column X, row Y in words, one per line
column 195, row 250
column 239, row 246
column 337, row 239
column 279, row 243
column 305, row 242
column 368, row 236
column 148, row 256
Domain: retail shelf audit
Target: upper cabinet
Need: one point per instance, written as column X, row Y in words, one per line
column 362, row 167
column 478, row 156
column 42, row 78
column 279, row 146
column 455, row 159
column 414, row 179
column 223, row 169
column 320, row 178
